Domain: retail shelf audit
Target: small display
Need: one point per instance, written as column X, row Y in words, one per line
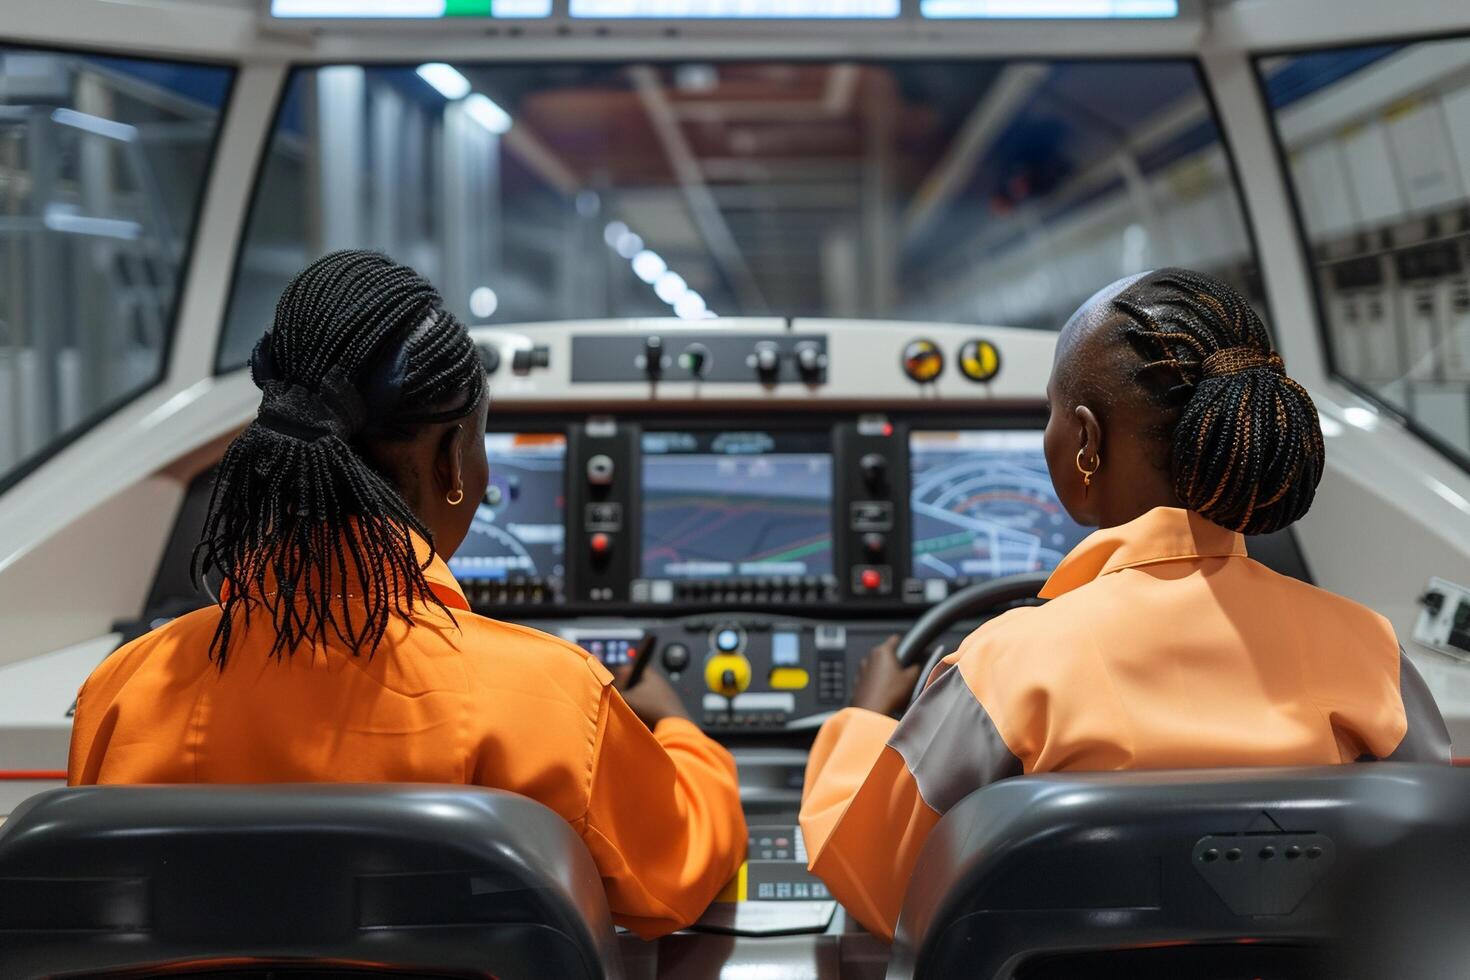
column 983, row 506
column 612, row 652
column 735, row 9
column 406, row 9
column 614, row 647
column 518, row 530
column 719, row 505
column 785, row 649
column 1051, row 9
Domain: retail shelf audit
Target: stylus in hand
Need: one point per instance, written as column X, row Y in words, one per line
column 641, row 657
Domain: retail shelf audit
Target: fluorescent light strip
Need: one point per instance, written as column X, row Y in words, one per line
column 482, row 110
column 446, row 80
column 96, row 125
column 357, row 8
column 63, row 218
column 1051, row 9
column 735, row 9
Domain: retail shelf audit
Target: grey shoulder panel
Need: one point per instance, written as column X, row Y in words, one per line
column 950, row 745
column 1426, row 739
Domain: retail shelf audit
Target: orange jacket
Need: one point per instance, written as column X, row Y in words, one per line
column 1163, row 646
column 484, row 703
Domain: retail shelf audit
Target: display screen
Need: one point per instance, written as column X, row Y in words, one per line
column 406, row 9
column 735, row 9
column 1050, row 9
column 518, row 529
column 720, row 505
column 983, row 506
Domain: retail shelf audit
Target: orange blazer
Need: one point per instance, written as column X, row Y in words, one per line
column 1163, row 646
column 478, row 703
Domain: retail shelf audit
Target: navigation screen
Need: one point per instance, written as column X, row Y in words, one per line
column 983, row 506
column 736, row 504
column 518, row 530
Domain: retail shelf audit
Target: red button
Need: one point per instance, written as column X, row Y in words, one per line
column 601, row 544
column 871, row 579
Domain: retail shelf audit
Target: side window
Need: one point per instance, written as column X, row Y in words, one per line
column 1378, row 144
column 102, row 163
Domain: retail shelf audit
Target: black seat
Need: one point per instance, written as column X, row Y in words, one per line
column 332, row 881
column 1342, row 871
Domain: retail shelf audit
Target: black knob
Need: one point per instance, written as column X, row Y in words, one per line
column 600, row 470
column 676, row 657
column 695, row 359
column 767, row 361
column 727, row 680
column 527, row 358
column 874, row 467
column 653, row 356
column 874, row 543
column 810, row 361
column 489, row 358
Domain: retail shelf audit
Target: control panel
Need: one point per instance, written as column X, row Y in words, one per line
column 746, row 672
column 682, row 513
column 714, row 357
column 1444, row 620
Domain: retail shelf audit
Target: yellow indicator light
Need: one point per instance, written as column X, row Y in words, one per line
column 923, row 360
column 789, row 679
column 727, row 674
column 979, row 360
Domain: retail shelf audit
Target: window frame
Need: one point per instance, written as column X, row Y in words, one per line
column 1258, row 56
column 1192, row 59
column 87, row 423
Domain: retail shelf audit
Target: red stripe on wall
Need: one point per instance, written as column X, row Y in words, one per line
column 38, row 774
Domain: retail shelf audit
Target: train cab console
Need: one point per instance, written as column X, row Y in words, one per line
column 753, row 509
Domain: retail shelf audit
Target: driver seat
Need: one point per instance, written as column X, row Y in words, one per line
column 320, row 881
column 1338, row 871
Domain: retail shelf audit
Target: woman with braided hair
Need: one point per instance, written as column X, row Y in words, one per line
column 343, row 650
column 1175, row 430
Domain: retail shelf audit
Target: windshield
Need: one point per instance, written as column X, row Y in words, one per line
column 985, row 192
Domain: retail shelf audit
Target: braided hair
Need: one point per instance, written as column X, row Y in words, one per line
column 1246, row 440
column 361, row 350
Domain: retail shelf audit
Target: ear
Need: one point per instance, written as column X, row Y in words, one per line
column 449, row 459
column 1089, row 431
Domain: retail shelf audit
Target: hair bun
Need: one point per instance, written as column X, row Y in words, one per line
column 1236, row 360
column 1246, row 447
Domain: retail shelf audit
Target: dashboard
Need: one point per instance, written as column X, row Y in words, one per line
column 757, row 557
column 753, row 504
column 888, row 512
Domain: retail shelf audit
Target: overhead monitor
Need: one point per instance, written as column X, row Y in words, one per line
column 983, row 506
column 406, row 9
column 735, row 9
column 1050, row 9
column 723, row 505
column 519, row 529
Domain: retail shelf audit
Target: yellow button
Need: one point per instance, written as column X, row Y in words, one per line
column 979, row 360
column 789, row 679
column 727, row 674
column 923, row 360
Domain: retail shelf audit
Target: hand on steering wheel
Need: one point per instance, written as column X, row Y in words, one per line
column 883, row 684
column 920, row 647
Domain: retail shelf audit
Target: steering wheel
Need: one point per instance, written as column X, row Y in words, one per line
column 919, row 646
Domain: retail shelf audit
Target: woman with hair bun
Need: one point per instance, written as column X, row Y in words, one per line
column 1176, row 431
column 342, row 649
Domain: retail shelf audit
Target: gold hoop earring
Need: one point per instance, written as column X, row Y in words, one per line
column 1086, row 473
column 456, row 498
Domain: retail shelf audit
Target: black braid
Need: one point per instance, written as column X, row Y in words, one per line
column 298, row 517
column 1246, row 440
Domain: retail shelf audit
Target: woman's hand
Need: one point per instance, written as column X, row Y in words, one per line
column 653, row 699
column 882, row 685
